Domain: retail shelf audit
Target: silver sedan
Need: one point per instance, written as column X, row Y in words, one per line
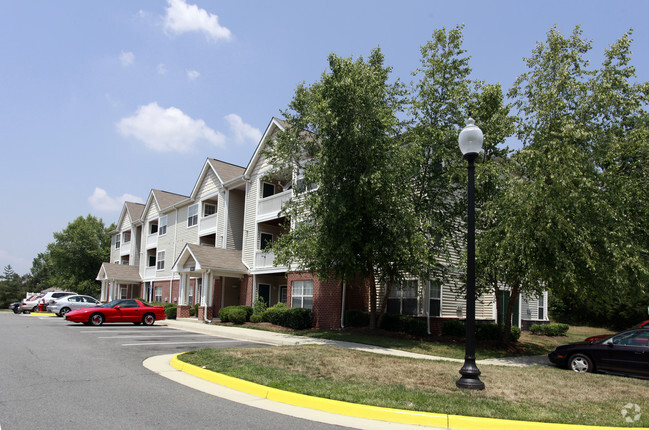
column 63, row 305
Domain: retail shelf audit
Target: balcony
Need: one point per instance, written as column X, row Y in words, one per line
column 269, row 207
column 149, row 272
column 152, row 241
column 265, row 260
column 207, row 225
column 125, row 249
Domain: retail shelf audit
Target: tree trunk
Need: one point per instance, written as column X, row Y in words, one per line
column 507, row 331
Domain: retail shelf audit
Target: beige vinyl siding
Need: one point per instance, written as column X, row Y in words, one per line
column 532, row 303
column 114, row 252
column 183, row 234
column 220, row 221
column 235, row 219
column 209, row 186
column 250, row 218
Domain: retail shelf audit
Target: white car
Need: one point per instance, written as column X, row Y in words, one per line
column 30, row 304
column 50, row 296
column 63, row 305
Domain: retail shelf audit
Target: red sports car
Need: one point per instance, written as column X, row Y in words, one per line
column 126, row 310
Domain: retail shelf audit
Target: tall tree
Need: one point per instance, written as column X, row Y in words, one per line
column 358, row 222
column 11, row 287
column 77, row 253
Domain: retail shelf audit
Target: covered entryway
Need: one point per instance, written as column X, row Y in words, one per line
column 217, row 271
column 119, row 281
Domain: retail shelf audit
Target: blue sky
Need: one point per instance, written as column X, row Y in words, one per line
column 102, row 101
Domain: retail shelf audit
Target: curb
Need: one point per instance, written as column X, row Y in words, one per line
column 42, row 314
column 451, row 422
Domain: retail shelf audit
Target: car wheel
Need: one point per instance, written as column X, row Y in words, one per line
column 16, row 310
column 581, row 363
column 148, row 319
column 96, row 319
column 35, row 309
column 64, row 311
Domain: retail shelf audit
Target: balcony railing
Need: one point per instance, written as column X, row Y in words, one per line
column 208, row 224
column 269, row 207
column 265, row 259
column 149, row 272
column 152, row 240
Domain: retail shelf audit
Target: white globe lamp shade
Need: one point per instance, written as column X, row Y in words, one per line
column 470, row 138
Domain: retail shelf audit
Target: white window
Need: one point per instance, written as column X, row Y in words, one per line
column 192, row 215
column 264, row 240
column 122, row 292
column 126, row 236
column 282, row 294
column 209, row 209
column 151, row 260
column 301, row 185
column 162, row 229
column 302, row 294
column 403, row 298
column 541, row 307
column 117, row 240
column 158, row 294
column 160, row 264
column 435, row 297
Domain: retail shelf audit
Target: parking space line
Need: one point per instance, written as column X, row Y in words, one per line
column 150, row 335
column 178, row 343
column 129, row 331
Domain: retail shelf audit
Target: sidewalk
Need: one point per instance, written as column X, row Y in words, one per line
column 281, row 339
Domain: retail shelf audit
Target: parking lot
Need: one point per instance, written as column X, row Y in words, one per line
column 58, row 374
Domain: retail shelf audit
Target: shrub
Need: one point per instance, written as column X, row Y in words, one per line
column 171, row 310
column 454, row 328
column 485, row 331
column 275, row 315
column 549, row 329
column 357, row 318
column 225, row 314
column 405, row 324
column 193, row 311
column 238, row 315
column 259, row 307
column 298, row 318
column 256, row 318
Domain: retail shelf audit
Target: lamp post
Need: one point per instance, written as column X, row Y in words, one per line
column 470, row 141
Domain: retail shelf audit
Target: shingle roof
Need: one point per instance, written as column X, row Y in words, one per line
column 121, row 272
column 166, row 199
column 135, row 210
column 225, row 170
column 217, row 258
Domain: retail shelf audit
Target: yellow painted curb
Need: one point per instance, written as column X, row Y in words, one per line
column 455, row 422
column 43, row 314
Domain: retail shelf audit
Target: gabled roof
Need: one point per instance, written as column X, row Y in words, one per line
column 163, row 200
column 275, row 124
column 133, row 210
column 225, row 172
column 118, row 272
column 207, row 257
column 166, row 199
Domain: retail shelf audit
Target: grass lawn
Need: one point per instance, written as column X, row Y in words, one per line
column 544, row 394
column 528, row 344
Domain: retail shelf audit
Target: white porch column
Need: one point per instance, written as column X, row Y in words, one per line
column 205, row 287
column 182, row 290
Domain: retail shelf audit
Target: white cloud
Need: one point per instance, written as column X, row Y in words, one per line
column 167, row 130
column 101, row 201
column 243, row 132
column 192, row 74
column 162, row 69
column 127, row 58
column 182, row 17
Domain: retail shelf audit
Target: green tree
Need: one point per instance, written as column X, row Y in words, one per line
column 77, row 253
column 357, row 224
column 11, row 287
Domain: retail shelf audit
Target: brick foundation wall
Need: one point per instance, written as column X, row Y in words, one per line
column 183, row 311
column 245, row 292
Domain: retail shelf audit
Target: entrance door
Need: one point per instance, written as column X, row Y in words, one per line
column 264, row 293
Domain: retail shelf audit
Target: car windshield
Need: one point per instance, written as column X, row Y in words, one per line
column 111, row 304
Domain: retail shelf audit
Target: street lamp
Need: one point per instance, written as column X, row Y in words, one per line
column 470, row 141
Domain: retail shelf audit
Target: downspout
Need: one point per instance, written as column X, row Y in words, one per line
column 342, row 311
column 208, row 293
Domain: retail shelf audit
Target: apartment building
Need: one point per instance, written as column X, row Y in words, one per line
column 208, row 247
